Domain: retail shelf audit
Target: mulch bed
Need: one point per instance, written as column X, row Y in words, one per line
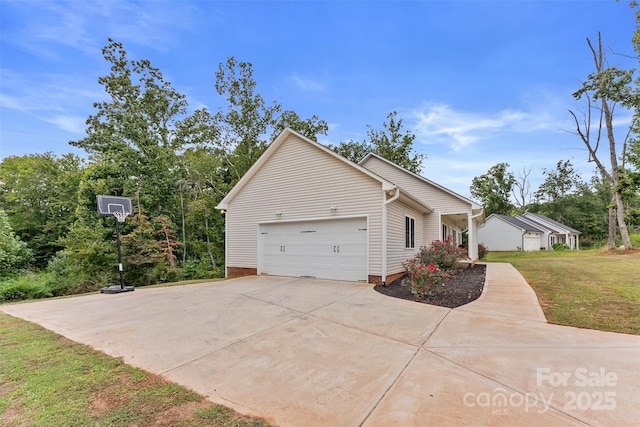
column 464, row 287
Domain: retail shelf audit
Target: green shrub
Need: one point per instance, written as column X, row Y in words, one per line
column 443, row 254
column 635, row 240
column 26, row 286
column 482, row 251
column 71, row 275
column 424, row 280
column 199, row 269
column 559, row 247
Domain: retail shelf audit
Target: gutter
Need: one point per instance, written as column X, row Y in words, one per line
column 385, row 202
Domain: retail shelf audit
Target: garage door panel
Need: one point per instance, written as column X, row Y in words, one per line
column 531, row 243
column 332, row 249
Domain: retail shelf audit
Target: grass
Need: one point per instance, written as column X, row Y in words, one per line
column 48, row 380
column 587, row 289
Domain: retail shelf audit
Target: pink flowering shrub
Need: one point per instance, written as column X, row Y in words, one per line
column 424, row 280
column 443, row 254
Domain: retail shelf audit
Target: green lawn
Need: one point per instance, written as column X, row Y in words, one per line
column 587, row 289
column 47, row 380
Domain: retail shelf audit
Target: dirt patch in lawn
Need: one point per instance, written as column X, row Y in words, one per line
column 464, row 287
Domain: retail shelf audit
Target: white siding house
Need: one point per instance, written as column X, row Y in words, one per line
column 303, row 210
column 527, row 232
column 505, row 233
column 452, row 213
column 556, row 231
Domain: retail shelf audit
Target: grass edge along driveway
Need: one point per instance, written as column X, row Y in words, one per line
column 586, row 289
column 47, row 380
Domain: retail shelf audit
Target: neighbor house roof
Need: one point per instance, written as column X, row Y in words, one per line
column 386, row 185
column 557, row 226
column 517, row 223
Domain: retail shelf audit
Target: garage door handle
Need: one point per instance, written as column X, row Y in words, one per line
column 283, row 248
column 336, row 249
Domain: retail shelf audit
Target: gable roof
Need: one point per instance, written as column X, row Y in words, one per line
column 385, row 184
column 516, row 222
column 557, row 227
column 540, row 225
column 474, row 205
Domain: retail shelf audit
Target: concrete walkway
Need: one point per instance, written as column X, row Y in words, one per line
column 304, row 352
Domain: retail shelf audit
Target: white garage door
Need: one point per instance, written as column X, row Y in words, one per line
column 331, row 249
column 531, row 242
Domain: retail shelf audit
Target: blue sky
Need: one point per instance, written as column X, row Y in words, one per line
column 478, row 82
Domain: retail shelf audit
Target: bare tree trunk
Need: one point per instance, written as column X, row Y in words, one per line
column 624, row 233
column 211, row 257
column 615, row 175
column 611, row 242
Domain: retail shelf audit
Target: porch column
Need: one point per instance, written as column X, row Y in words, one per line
column 472, row 241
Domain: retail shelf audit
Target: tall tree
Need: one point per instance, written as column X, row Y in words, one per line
column 391, row 142
column 493, row 189
column 134, row 129
column 246, row 123
column 603, row 90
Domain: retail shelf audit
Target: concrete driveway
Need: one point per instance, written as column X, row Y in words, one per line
column 305, row 352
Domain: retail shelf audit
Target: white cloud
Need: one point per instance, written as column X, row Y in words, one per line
column 73, row 124
column 85, row 26
column 307, row 84
column 58, row 99
column 442, row 124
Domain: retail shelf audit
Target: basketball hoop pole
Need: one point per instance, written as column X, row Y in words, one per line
column 119, row 255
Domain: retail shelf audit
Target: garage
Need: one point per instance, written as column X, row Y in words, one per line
column 327, row 249
column 531, row 242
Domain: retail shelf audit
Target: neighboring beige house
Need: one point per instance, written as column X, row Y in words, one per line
column 303, row 210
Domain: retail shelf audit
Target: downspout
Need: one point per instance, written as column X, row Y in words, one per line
column 385, row 202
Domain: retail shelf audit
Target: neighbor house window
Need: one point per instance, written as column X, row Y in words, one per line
column 409, row 232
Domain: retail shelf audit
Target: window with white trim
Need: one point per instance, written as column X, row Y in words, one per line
column 409, row 232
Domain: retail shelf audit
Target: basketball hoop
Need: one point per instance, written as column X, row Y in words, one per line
column 120, row 216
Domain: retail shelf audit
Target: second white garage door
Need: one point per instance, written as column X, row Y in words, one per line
column 531, row 242
column 330, row 249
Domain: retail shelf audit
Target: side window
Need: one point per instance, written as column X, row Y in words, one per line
column 409, row 232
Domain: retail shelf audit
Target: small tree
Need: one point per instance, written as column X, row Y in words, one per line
column 391, row 142
column 494, row 188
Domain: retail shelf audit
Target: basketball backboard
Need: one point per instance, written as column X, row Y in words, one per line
column 108, row 205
